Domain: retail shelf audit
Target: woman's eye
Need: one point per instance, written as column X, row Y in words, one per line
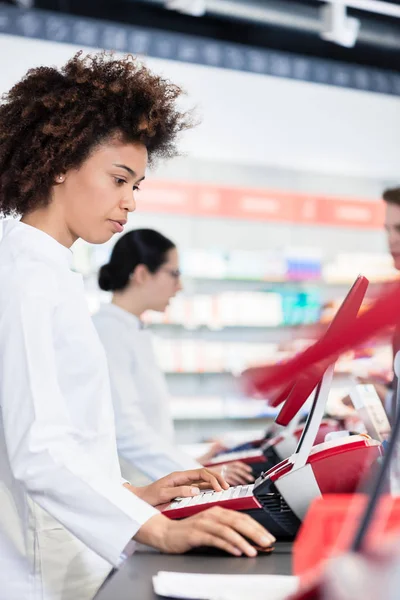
column 136, row 188
column 119, row 181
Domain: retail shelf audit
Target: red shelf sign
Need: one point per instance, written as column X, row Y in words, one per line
column 197, row 199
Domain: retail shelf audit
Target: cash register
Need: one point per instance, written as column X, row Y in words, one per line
column 276, row 448
column 377, row 567
column 279, row 498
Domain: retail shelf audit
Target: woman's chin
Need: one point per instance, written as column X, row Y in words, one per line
column 97, row 237
column 160, row 308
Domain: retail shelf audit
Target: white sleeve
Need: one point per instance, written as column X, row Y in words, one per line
column 43, row 449
column 137, row 442
column 388, row 402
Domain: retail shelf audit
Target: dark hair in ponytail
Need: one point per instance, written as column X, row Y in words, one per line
column 138, row 247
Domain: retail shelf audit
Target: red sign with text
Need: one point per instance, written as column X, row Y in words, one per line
column 198, row 199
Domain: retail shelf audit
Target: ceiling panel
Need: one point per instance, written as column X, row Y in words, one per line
column 289, row 25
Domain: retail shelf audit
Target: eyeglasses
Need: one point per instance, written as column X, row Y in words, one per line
column 175, row 273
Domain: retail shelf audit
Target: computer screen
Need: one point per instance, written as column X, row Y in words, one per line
column 308, row 381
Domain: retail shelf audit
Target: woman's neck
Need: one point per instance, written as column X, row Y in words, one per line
column 130, row 303
column 46, row 219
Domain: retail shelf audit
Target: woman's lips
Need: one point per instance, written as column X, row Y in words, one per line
column 118, row 225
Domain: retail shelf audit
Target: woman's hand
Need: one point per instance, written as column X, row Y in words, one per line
column 220, row 528
column 214, row 449
column 235, row 473
column 180, row 484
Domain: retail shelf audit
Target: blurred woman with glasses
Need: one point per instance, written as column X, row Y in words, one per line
column 143, row 274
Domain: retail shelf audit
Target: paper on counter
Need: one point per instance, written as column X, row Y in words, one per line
column 194, row 586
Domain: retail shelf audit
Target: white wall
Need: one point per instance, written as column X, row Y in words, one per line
column 260, row 120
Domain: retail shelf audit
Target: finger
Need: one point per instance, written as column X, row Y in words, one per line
column 216, row 481
column 208, row 539
column 246, row 526
column 206, row 486
column 229, row 536
column 242, row 466
column 216, row 448
column 183, row 491
column 234, row 479
column 202, row 485
column 237, row 470
column 249, row 477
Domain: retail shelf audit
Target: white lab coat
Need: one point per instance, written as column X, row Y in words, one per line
column 65, row 518
column 144, row 426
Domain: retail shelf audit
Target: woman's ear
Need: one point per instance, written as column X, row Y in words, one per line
column 59, row 179
column 139, row 275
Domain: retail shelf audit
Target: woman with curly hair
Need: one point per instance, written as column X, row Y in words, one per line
column 74, row 142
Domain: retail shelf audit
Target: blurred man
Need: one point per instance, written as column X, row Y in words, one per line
column 392, row 223
column 391, row 198
column 392, row 227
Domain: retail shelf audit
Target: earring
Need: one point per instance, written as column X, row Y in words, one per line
column 60, row 178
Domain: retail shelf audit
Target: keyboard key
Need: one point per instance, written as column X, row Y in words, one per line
column 180, row 503
column 219, row 495
column 196, row 500
column 225, row 495
column 244, row 492
column 250, row 489
column 236, row 492
column 209, row 498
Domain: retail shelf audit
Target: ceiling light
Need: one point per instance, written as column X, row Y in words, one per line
column 195, row 8
column 337, row 26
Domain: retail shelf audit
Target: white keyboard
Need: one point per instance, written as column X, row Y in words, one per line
column 239, row 491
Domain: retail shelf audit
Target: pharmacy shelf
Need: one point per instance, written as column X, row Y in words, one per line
column 250, row 281
column 236, row 333
column 202, row 417
column 198, row 373
column 205, row 284
column 188, row 430
column 210, row 284
column 237, row 328
column 277, row 282
column 215, row 286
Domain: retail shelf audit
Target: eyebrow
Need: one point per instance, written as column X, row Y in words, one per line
column 130, row 171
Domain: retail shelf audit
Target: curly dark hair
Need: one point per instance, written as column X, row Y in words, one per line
column 53, row 118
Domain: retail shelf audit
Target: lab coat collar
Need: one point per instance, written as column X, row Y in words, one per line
column 121, row 313
column 42, row 243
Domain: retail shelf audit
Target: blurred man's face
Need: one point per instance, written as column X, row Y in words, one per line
column 392, row 226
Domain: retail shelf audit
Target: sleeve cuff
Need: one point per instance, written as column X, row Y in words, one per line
column 127, row 552
column 146, row 513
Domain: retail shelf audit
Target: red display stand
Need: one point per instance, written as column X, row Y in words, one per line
column 330, row 525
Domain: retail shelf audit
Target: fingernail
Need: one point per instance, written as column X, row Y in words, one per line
column 194, row 491
column 266, row 541
column 237, row 552
column 252, row 551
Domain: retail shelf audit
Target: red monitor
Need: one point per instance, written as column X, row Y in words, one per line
column 308, row 381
